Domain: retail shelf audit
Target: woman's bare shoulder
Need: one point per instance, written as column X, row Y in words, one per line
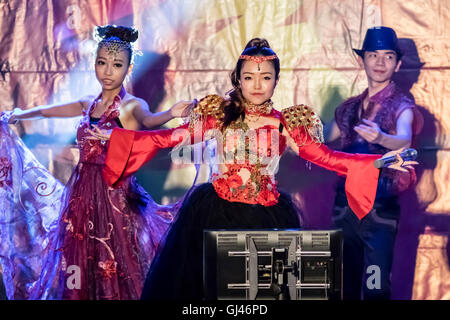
column 86, row 101
column 131, row 102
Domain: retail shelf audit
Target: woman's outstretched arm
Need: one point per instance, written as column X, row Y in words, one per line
column 66, row 110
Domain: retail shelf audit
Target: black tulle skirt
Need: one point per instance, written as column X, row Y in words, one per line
column 176, row 272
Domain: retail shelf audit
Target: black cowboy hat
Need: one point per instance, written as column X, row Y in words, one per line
column 380, row 38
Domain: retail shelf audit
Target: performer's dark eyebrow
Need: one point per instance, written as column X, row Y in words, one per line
column 267, row 72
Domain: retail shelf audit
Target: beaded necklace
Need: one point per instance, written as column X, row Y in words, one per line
column 258, row 109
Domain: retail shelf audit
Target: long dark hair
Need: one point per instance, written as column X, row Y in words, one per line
column 233, row 107
column 111, row 33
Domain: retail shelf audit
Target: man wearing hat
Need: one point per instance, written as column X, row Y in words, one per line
column 376, row 121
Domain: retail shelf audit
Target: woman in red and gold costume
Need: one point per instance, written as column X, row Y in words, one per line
column 242, row 194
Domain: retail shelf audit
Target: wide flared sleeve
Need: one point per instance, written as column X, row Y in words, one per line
column 129, row 150
column 305, row 128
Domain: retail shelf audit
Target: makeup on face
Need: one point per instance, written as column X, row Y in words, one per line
column 111, row 68
column 257, row 81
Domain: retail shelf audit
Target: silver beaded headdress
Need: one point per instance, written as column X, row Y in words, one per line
column 114, row 45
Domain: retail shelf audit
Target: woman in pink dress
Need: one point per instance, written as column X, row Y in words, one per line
column 103, row 241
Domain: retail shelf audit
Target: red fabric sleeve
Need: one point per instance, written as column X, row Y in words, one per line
column 128, row 150
column 362, row 176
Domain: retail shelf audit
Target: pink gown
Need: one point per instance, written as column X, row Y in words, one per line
column 104, row 238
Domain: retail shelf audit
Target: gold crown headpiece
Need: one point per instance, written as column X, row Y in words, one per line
column 258, row 59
